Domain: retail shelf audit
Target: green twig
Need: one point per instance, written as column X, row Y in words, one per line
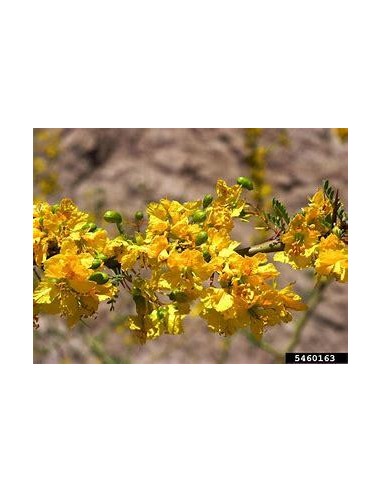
column 271, row 246
column 313, row 301
column 121, row 229
column 264, row 345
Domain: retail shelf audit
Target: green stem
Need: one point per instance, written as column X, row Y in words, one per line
column 313, row 301
column 271, row 246
column 121, row 229
column 264, row 345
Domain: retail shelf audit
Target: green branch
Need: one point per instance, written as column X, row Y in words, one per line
column 271, row 246
column 313, row 301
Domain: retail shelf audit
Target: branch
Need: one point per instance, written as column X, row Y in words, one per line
column 264, row 346
column 313, row 301
column 267, row 247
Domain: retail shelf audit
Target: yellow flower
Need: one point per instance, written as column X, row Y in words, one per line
column 290, row 299
column 163, row 320
column 125, row 252
column 189, row 261
column 185, row 272
column 185, row 231
column 157, row 248
column 167, row 319
column 116, row 248
column 255, row 268
column 166, row 214
column 300, row 242
column 93, row 242
column 229, row 196
column 218, row 323
column 319, row 208
column 219, row 218
column 66, row 220
column 66, row 289
column 220, row 241
column 217, row 299
column 244, row 294
column 245, row 300
column 129, row 257
column 332, row 260
column 53, row 225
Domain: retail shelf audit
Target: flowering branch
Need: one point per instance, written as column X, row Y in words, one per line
column 185, row 262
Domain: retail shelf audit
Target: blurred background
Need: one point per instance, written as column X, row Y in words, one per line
column 124, row 169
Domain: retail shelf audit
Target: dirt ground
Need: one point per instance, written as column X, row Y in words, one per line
column 125, row 169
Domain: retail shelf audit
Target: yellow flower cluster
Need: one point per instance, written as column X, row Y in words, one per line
column 66, row 250
column 312, row 240
column 184, row 262
column 247, row 297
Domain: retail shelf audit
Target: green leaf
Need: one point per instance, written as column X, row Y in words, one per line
column 280, row 210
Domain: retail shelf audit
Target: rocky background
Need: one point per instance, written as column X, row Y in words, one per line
column 125, row 169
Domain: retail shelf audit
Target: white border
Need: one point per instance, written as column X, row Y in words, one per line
column 189, row 64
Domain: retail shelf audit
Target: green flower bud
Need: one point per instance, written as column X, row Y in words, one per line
column 207, row 256
column 201, row 238
column 207, row 200
column 54, row 208
column 139, row 215
column 102, row 256
column 92, row 227
column 178, row 295
column 199, row 216
column 112, row 216
column 99, row 277
column 96, row 264
column 245, row 182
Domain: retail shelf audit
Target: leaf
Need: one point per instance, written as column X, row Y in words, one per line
column 280, row 218
column 280, row 210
